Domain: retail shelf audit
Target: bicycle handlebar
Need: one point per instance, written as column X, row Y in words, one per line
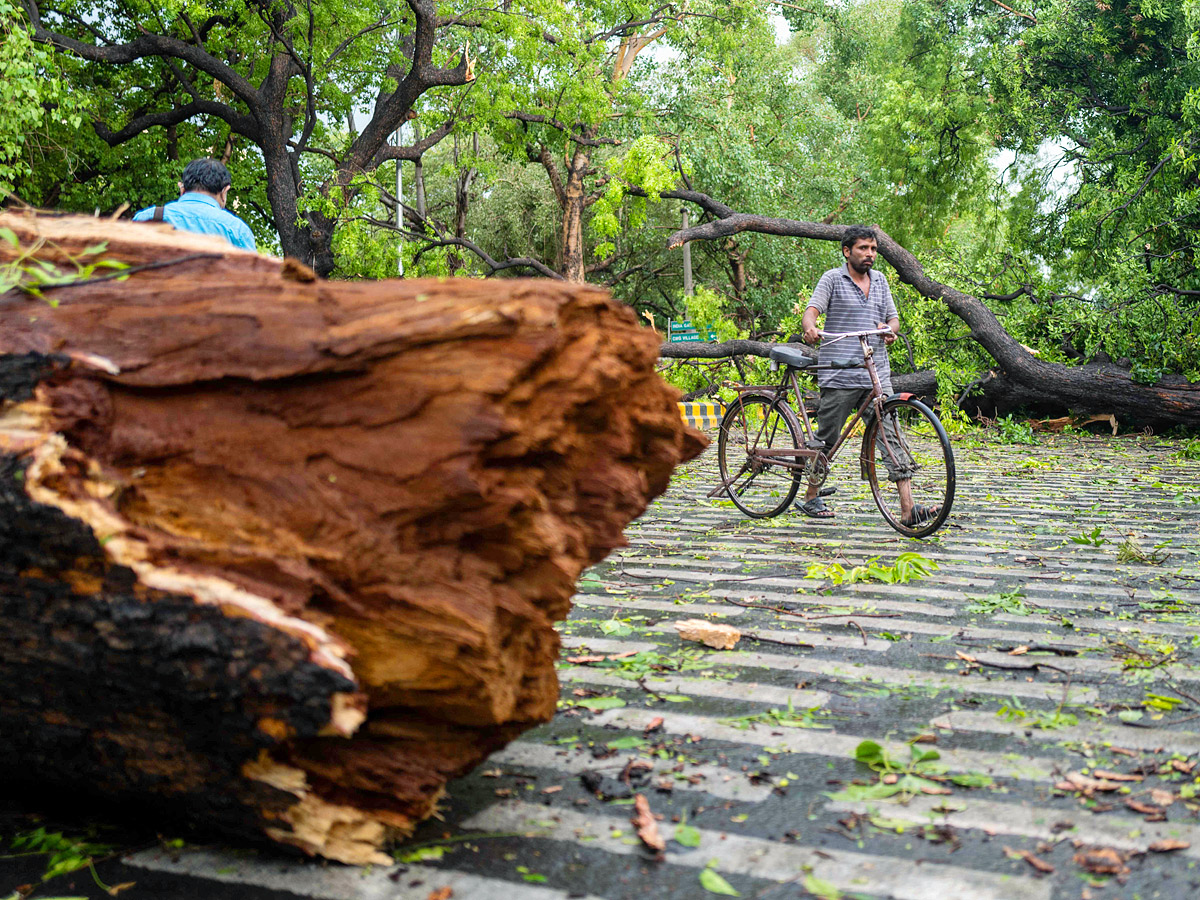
column 838, row 335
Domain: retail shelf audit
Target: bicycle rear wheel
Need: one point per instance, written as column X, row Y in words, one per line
column 908, row 450
column 757, row 487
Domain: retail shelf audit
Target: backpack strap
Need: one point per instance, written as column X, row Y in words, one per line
column 159, row 214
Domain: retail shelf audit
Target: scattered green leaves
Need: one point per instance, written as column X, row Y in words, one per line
column 597, row 703
column 712, row 882
column 1160, row 701
column 423, row 854
column 776, row 718
column 1046, row 720
column 908, row 567
column 1131, row 551
column 65, row 855
column 1011, row 431
column 1093, row 538
column 920, row 774
column 532, row 877
column 1190, row 450
column 615, row 628
column 821, row 888
column 1007, row 602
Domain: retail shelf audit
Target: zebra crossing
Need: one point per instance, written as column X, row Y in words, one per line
column 1058, row 638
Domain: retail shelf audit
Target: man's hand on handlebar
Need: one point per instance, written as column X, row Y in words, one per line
column 812, row 334
column 890, row 336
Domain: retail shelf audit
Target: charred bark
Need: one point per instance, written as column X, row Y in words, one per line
column 282, row 556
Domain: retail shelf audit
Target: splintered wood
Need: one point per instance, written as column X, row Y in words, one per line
column 282, row 556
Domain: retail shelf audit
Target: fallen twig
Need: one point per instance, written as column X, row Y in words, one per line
column 1015, row 665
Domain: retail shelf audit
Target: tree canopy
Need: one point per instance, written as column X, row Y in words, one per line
column 1042, row 155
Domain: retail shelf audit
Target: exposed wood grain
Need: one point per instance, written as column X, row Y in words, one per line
column 288, row 552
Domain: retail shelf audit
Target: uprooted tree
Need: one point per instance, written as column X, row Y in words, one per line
column 1020, row 379
column 282, row 556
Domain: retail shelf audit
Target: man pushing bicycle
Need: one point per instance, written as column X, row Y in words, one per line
column 853, row 297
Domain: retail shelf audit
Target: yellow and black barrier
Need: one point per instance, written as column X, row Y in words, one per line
column 702, row 415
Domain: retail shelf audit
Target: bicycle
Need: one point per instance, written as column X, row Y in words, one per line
column 765, row 451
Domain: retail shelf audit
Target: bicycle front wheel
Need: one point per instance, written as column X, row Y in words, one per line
column 907, row 459
column 754, row 423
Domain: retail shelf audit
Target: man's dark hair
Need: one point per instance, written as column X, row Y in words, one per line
column 856, row 233
column 206, row 175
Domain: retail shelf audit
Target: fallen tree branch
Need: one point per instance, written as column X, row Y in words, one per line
column 1099, row 388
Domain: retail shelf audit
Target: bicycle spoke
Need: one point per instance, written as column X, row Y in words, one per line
column 758, row 487
column 910, row 466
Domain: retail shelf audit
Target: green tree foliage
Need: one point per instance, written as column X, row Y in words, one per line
column 33, row 99
column 1100, row 100
column 1089, row 244
column 581, row 116
column 760, row 137
column 275, row 87
column 906, row 75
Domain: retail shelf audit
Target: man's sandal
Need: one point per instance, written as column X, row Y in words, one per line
column 816, row 508
column 920, row 514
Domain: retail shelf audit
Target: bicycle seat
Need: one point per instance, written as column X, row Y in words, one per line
column 797, row 359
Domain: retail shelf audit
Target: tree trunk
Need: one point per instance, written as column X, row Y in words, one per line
column 574, row 200
column 462, row 200
column 282, row 556
column 295, row 240
column 688, row 288
column 418, row 174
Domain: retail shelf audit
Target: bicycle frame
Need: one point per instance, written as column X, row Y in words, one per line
column 797, row 458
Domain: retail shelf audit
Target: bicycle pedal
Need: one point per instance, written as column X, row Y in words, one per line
column 827, row 492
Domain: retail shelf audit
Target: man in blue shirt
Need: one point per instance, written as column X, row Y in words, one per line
column 201, row 205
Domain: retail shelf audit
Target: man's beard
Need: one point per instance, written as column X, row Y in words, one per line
column 861, row 267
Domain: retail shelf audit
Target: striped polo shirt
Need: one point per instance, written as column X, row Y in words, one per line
column 846, row 309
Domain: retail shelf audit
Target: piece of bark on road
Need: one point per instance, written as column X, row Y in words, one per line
column 711, row 634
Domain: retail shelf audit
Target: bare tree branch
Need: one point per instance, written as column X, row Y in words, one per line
column 493, row 264
column 243, row 125
column 577, row 137
column 413, row 151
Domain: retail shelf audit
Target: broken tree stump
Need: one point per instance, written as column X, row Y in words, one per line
column 281, row 556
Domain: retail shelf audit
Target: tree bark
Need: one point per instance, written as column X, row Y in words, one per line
column 1084, row 389
column 574, row 200
column 282, row 556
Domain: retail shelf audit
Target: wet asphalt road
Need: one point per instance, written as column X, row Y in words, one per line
column 1050, row 662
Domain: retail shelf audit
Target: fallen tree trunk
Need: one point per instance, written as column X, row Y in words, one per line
column 1085, row 389
column 282, row 556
